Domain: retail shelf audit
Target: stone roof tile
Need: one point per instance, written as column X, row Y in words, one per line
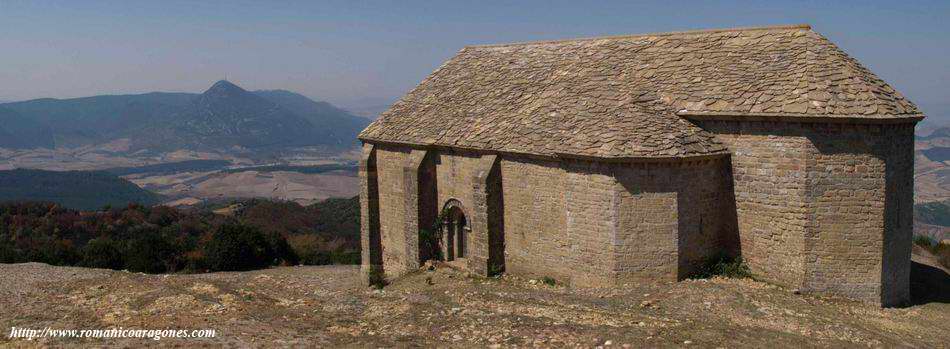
column 621, row 96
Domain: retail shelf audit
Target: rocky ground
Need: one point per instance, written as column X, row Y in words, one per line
column 325, row 307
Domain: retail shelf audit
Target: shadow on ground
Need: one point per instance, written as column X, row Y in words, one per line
column 928, row 284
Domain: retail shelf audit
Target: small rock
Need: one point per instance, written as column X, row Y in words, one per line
column 687, row 342
column 641, row 324
column 608, row 343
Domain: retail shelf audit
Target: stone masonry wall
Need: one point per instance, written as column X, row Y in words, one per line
column 390, row 163
column 559, row 220
column 585, row 223
column 455, row 173
column 707, row 213
column 673, row 217
column 826, row 208
column 603, row 224
column 769, row 179
column 847, row 190
column 371, row 246
column 861, row 194
column 899, row 214
column 591, row 203
column 414, row 185
column 535, row 243
column 646, row 242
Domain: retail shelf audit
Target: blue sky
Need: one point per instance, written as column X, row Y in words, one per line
column 366, row 52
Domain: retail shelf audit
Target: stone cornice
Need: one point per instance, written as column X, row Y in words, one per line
column 553, row 157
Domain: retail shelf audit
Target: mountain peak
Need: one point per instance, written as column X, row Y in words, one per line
column 224, row 87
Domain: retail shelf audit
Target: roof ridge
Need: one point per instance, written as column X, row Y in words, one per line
column 628, row 36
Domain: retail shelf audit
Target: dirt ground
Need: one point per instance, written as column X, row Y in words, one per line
column 325, row 307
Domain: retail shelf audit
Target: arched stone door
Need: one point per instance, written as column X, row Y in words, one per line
column 455, row 231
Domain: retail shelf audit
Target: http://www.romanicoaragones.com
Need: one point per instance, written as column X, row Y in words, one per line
column 154, row 334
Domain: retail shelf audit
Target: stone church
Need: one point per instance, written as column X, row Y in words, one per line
column 605, row 161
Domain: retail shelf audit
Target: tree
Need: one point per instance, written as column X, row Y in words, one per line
column 149, row 252
column 103, row 253
column 238, row 247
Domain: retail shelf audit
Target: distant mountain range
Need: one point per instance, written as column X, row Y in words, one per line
column 223, row 117
column 84, row 190
column 932, row 181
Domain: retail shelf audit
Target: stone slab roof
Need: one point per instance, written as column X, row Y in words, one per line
column 626, row 96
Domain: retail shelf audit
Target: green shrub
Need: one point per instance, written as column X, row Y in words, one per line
column 308, row 249
column 377, row 279
column 238, row 247
column 53, row 252
column 429, row 244
column 924, row 241
column 283, row 253
column 195, row 261
column 725, row 266
column 547, row 280
column 149, row 252
column 103, row 253
column 312, row 250
column 8, row 254
column 496, row 269
column 345, row 257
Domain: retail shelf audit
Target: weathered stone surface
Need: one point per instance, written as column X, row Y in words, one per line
column 390, row 167
column 825, row 208
column 585, row 223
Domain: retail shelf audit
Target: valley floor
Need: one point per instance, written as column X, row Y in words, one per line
column 324, row 306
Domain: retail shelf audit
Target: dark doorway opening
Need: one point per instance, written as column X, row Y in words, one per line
column 455, row 227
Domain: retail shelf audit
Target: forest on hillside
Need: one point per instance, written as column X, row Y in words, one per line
column 83, row 190
column 159, row 239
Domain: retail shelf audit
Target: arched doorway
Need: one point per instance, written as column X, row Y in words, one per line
column 455, row 229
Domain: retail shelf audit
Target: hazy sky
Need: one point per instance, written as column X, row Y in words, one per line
column 362, row 52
